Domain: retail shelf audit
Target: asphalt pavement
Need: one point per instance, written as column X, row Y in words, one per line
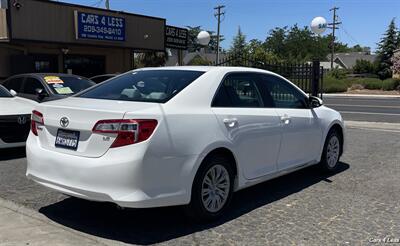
column 354, row 206
column 366, row 108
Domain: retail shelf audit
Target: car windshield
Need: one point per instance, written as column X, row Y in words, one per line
column 144, row 86
column 4, row 92
column 67, row 85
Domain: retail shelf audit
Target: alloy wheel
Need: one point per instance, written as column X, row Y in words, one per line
column 215, row 188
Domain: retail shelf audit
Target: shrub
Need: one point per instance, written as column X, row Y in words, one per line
column 337, row 73
column 332, row 85
column 372, row 84
column 396, row 64
column 390, row 84
column 363, row 66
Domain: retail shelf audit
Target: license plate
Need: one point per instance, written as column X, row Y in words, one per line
column 67, row 139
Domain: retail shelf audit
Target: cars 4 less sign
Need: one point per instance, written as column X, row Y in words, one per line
column 99, row 27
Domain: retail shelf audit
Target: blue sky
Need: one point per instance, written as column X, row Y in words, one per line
column 364, row 21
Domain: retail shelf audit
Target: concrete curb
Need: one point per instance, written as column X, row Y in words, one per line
column 360, row 95
column 32, row 214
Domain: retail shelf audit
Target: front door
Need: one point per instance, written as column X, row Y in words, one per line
column 253, row 129
column 301, row 131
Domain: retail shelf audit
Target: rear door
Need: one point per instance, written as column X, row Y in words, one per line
column 251, row 127
column 301, row 131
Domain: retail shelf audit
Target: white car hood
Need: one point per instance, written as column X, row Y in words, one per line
column 16, row 105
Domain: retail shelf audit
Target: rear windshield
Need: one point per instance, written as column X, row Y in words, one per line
column 67, row 85
column 4, row 92
column 144, row 86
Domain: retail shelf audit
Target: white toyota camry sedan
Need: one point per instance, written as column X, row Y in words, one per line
column 180, row 136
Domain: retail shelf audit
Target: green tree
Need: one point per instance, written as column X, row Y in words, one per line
column 199, row 61
column 275, row 41
column 151, row 59
column 386, row 48
column 363, row 66
column 256, row 48
column 239, row 44
column 398, row 39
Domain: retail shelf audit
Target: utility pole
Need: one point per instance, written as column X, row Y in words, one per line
column 107, row 4
column 333, row 26
column 218, row 15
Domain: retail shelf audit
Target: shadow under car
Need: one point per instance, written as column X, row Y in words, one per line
column 156, row 225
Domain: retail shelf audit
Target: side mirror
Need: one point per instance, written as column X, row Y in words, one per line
column 13, row 93
column 41, row 93
column 315, row 102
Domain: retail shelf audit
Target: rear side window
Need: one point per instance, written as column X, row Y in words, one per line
column 144, row 86
column 4, row 92
column 238, row 90
column 30, row 86
column 14, row 84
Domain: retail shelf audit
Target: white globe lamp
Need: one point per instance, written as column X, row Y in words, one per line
column 203, row 38
column 318, row 25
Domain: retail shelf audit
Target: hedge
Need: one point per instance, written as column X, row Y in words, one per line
column 332, row 84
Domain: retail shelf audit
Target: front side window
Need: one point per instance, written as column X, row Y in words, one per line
column 283, row 94
column 144, row 86
column 4, row 92
column 238, row 90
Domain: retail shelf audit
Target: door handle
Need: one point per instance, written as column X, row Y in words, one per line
column 230, row 122
column 285, row 119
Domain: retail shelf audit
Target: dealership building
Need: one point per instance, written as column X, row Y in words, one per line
column 49, row 36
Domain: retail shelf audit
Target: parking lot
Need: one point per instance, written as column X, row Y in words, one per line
column 356, row 205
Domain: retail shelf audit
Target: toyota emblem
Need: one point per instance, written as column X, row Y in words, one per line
column 64, row 122
column 21, row 120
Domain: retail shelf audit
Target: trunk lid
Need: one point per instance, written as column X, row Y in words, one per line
column 82, row 115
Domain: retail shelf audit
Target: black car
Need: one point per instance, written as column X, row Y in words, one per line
column 100, row 78
column 43, row 87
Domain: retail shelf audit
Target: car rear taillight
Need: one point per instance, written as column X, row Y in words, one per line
column 37, row 119
column 128, row 131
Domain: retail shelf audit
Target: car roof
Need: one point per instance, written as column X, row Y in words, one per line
column 42, row 75
column 206, row 68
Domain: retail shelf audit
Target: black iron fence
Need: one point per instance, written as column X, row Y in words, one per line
column 307, row 76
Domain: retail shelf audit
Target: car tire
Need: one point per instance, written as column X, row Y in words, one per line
column 211, row 197
column 331, row 152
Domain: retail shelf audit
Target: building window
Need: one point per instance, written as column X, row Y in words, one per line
column 42, row 66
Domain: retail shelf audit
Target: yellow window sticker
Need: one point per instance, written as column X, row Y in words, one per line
column 53, row 80
column 64, row 90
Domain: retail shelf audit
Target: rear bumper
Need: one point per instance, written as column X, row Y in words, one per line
column 127, row 176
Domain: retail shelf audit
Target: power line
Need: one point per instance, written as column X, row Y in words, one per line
column 218, row 15
column 349, row 35
column 97, row 3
